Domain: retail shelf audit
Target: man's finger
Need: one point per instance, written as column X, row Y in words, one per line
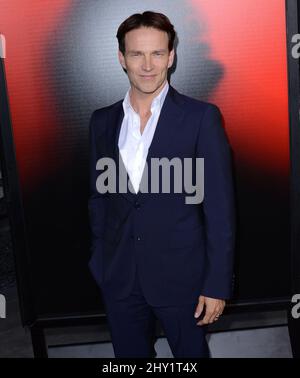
column 213, row 317
column 216, row 314
column 200, row 307
column 206, row 318
column 203, row 321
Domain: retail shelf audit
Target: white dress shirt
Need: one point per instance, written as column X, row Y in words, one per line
column 133, row 145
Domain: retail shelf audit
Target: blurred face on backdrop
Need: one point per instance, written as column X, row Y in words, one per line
column 147, row 59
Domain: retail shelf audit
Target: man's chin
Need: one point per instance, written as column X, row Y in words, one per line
column 149, row 89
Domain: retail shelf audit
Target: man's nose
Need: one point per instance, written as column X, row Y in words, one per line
column 147, row 63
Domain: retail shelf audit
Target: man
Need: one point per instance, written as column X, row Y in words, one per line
column 153, row 254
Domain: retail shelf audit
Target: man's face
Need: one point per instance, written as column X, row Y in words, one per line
column 147, row 58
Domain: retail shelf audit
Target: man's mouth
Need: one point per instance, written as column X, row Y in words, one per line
column 148, row 77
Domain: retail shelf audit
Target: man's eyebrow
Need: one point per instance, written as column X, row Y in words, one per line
column 141, row 52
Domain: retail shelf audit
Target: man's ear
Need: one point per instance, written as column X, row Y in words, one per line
column 171, row 58
column 121, row 59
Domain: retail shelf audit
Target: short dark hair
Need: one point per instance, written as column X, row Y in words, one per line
column 147, row 19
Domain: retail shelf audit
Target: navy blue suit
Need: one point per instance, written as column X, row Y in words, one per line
column 179, row 251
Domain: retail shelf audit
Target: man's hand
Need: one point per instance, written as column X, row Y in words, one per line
column 213, row 309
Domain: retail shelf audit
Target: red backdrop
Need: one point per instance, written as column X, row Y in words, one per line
column 61, row 63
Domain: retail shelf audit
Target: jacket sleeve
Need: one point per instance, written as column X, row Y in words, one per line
column 96, row 202
column 218, row 205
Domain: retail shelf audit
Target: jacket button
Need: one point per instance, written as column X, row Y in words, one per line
column 138, row 238
column 137, row 205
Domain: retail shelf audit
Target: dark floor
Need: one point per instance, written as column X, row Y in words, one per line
column 270, row 340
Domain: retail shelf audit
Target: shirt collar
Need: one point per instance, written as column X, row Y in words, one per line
column 157, row 101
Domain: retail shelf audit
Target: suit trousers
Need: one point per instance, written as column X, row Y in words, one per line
column 132, row 325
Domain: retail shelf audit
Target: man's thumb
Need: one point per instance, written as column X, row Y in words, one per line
column 200, row 306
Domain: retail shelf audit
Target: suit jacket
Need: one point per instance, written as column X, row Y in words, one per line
column 180, row 251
